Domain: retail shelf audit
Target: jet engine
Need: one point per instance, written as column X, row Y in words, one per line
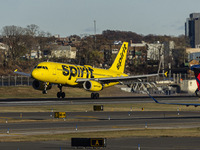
column 37, row 85
column 93, row 86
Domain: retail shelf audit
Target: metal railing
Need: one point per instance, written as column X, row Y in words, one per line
column 15, row 80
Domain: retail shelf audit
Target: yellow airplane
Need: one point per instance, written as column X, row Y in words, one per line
column 91, row 79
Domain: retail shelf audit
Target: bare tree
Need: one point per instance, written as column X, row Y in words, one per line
column 13, row 37
column 32, row 30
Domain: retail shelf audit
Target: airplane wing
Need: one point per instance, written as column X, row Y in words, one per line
column 115, row 79
column 22, row 73
column 185, row 104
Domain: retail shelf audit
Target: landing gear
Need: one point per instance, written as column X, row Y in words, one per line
column 197, row 92
column 94, row 95
column 60, row 94
column 45, row 88
column 44, row 92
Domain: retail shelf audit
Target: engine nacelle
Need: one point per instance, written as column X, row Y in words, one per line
column 37, row 85
column 93, row 86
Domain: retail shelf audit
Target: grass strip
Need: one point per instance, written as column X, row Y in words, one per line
column 89, row 107
column 191, row 132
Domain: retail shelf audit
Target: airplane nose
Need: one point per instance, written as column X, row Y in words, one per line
column 34, row 74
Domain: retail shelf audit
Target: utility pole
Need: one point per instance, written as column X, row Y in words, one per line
column 95, row 34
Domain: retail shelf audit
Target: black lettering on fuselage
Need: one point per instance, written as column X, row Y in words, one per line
column 65, row 70
column 121, row 58
column 77, row 71
column 91, row 72
column 82, row 70
column 73, row 72
column 87, row 74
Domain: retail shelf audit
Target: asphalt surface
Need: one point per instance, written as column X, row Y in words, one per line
column 131, row 143
column 101, row 100
column 99, row 121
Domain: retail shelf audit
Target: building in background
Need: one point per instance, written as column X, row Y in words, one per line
column 192, row 29
column 3, row 53
column 64, row 51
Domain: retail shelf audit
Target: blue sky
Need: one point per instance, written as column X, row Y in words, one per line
column 68, row 17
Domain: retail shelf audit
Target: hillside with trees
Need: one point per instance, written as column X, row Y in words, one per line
column 22, row 40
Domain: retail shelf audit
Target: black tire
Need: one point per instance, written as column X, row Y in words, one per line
column 96, row 95
column 92, row 95
column 58, row 95
column 44, row 92
column 63, row 94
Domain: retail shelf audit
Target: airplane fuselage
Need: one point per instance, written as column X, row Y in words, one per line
column 67, row 74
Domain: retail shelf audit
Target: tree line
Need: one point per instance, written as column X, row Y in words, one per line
column 22, row 40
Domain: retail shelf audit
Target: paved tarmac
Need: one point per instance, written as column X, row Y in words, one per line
column 101, row 100
column 99, row 121
column 130, row 143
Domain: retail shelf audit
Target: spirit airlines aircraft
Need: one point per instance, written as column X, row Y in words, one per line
column 91, row 79
column 196, row 69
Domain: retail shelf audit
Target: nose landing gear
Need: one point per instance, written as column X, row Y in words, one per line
column 60, row 94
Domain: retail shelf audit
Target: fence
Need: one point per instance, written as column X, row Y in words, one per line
column 15, row 80
column 175, row 78
column 24, row 80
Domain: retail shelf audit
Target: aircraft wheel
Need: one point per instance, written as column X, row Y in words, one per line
column 94, row 95
column 44, row 92
column 58, row 95
column 63, row 94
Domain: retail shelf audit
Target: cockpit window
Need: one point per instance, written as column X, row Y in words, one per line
column 43, row 67
column 39, row 67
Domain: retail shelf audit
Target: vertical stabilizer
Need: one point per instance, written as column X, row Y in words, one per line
column 119, row 63
column 196, row 69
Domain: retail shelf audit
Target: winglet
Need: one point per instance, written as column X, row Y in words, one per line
column 15, row 70
column 166, row 73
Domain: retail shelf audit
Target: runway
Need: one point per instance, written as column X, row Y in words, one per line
column 97, row 121
column 43, row 123
column 101, row 100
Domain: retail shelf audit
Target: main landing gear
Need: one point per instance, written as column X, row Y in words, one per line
column 60, row 94
column 94, row 95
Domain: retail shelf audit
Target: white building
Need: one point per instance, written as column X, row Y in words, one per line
column 64, row 51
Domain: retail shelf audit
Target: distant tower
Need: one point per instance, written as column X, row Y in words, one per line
column 192, row 29
column 95, row 39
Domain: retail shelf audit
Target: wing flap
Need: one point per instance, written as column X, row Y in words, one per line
column 116, row 79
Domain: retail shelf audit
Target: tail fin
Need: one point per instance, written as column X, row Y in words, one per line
column 196, row 69
column 119, row 63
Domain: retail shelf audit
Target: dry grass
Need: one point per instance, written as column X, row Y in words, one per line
column 89, row 107
column 29, row 92
column 194, row 132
